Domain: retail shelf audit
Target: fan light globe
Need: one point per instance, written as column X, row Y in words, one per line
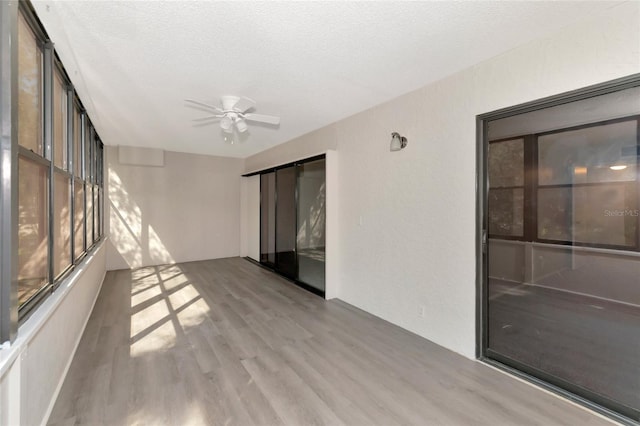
column 226, row 123
column 241, row 126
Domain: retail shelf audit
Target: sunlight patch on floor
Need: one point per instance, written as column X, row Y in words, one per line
column 174, row 306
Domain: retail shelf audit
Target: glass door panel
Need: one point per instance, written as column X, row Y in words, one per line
column 286, row 262
column 311, row 223
column 563, row 254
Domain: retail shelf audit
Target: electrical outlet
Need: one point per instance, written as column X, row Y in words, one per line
column 421, row 311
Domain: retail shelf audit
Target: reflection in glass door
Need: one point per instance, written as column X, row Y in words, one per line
column 562, row 285
column 286, row 262
column 310, row 240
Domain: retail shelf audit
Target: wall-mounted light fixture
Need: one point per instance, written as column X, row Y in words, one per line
column 397, row 142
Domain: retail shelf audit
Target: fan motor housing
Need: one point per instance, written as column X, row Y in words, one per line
column 228, row 102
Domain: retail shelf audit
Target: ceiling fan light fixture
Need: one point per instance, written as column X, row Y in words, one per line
column 232, row 115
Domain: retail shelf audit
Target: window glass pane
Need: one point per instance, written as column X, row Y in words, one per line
column 596, row 214
column 506, row 212
column 89, row 199
column 506, row 163
column 59, row 122
column 96, row 214
column 604, row 153
column 563, row 304
column 100, row 164
column 77, row 141
column 310, row 238
column 101, row 210
column 29, row 89
column 87, row 151
column 61, row 223
column 78, row 218
column 94, row 158
column 32, row 228
column 286, row 221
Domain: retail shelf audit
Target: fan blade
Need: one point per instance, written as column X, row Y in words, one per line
column 215, row 108
column 213, row 117
column 203, row 124
column 244, row 104
column 261, row 118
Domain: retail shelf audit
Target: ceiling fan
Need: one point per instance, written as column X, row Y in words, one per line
column 233, row 112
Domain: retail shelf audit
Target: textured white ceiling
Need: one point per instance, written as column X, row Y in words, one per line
column 312, row 63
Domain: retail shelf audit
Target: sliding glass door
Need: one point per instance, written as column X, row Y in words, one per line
column 562, row 284
column 292, row 222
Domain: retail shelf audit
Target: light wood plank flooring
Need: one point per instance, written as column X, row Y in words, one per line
column 224, row 342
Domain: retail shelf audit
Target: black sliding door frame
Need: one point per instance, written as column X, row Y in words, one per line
column 274, row 266
column 573, row 392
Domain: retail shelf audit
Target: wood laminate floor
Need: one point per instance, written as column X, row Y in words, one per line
column 224, row 342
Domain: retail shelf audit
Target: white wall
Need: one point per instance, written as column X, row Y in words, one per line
column 309, row 145
column 188, row 209
column 33, row 369
column 407, row 219
column 332, row 225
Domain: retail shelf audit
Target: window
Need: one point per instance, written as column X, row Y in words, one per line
column 33, row 169
column 89, row 195
column 59, row 122
column 89, row 148
column 77, row 141
column 78, row 221
column 61, row 223
column 78, row 186
column 56, row 182
column 33, row 232
column 30, row 81
column 96, row 214
column 584, row 187
column 61, row 179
